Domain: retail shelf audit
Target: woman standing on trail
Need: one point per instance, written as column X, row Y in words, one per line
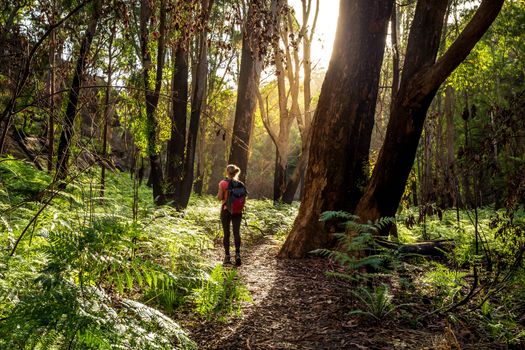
column 231, row 210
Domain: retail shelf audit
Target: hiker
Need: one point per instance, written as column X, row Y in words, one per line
column 232, row 193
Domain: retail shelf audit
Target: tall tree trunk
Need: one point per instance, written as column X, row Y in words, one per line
column 197, row 100
column 394, row 25
column 201, row 157
column 52, row 98
column 282, row 139
column 177, row 142
column 343, row 122
column 251, row 67
column 196, row 109
column 450, row 172
column 152, row 94
column 295, row 179
column 107, row 100
column 64, row 144
column 420, row 80
column 304, row 123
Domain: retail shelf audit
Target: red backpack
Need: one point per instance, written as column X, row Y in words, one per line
column 236, row 197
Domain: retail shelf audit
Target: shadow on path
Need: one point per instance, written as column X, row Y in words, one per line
column 295, row 306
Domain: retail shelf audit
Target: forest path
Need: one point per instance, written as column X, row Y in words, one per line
column 295, row 306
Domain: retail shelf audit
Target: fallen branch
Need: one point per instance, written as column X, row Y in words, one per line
column 436, row 248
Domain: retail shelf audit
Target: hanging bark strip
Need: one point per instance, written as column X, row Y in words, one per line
column 343, row 122
column 419, row 83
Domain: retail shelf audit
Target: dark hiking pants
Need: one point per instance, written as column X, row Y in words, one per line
column 235, row 219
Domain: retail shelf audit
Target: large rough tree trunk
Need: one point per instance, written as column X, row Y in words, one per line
column 63, row 152
column 250, row 72
column 420, row 80
column 343, row 122
column 152, row 94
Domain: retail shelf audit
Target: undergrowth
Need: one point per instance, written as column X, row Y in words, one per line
column 92, row 273
column 479, row 282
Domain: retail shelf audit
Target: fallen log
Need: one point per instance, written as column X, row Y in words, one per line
column 436, row 248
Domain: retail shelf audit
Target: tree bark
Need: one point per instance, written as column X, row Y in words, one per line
column 152, row 94
column 196, row 109
column 52, row 98
column 420, row 80
column 394, row 25
column 63, row 151
column 251, row 67
column 107, row 100
column 343, row 122
column 177, row 142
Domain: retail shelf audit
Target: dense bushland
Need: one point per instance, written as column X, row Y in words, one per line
column 93, row 273
column 474, row 282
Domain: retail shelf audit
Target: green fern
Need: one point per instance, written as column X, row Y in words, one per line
column 376, row 304
column 220, row 295
column 351, row 246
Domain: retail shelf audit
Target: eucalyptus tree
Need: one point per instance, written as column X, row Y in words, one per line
column 343, row 122
column 197, row 101
column 183, row 141
column 258, row 28
column 179, row 104
column 151, row 25
column 421, row 77
column 287, row 51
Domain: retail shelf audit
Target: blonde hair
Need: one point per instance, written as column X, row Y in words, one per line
column 233, row 171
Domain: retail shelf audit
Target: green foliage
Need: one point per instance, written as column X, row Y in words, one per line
column 72, row 299
column 220, row 294
column 267, row 218
column 358, row 239
column 19, row 181
column 376, row 304
column 445, row 284
column 88, row 276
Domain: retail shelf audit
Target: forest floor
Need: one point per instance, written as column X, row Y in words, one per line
column 296, row 306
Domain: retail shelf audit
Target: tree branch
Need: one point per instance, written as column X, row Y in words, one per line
column 465, row 42
column 265, row 119
column 27, row 66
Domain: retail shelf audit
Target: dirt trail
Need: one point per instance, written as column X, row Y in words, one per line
column 295, row 306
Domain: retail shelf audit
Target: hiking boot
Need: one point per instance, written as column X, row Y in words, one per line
column 226, row 261
column 237, row 259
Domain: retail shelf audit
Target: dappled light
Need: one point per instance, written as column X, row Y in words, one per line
column 262, row 174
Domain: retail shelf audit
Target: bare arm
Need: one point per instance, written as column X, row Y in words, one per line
column 220, row 194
